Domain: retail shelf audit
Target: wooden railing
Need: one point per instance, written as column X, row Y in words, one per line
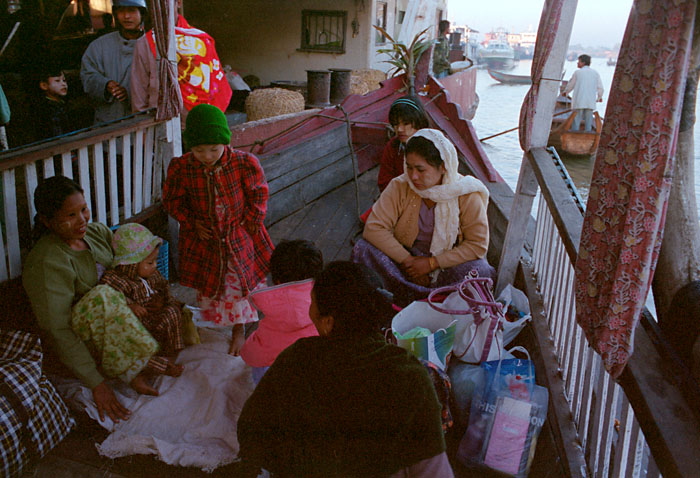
column 120, row 166
column 622, row 429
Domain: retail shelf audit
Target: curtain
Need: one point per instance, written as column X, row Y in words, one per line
column 169, row 100
column 623, row 225
column 546, row 32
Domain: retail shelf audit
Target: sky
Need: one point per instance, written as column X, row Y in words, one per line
column 597, row 22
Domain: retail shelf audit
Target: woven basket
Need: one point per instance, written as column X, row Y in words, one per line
column 364, row 81
column 267, row 102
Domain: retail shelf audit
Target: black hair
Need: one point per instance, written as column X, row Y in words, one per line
column 443, row 26
column 353, row 294
column 585, row 59
column 295, row 260
column 48, row 69
column 408, row 109
column 49, row 197
column 426, row 149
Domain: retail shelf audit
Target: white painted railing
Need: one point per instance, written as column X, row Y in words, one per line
column 609, row 433
column 120, row 166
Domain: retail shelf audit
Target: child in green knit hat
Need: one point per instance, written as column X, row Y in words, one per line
column 219, row 197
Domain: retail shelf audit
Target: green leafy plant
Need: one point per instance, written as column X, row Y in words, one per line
column 404, row 58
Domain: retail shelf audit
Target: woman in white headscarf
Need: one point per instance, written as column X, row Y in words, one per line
column 429, row 227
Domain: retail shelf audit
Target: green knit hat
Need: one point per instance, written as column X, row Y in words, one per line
column 206, row 124
column 132, row 243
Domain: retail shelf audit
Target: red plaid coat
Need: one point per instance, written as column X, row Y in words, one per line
column 189, row 192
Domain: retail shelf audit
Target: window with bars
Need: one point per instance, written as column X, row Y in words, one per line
column 323, row 30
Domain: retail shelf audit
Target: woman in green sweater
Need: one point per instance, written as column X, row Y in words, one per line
column 60, row 274
column 345, row 403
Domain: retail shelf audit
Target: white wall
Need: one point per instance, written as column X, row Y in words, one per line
column 261, row 37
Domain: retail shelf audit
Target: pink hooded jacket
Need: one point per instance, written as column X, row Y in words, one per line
column 286, row 319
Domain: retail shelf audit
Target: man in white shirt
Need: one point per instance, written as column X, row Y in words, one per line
column 588, row 89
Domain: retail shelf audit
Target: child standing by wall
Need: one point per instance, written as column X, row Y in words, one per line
column 135, row 274
column 53, row 117
column 285, row 306
column 219, row 197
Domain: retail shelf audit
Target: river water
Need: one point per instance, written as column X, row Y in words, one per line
column 499, row 110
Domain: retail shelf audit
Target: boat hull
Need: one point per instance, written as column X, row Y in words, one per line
column 510, row 79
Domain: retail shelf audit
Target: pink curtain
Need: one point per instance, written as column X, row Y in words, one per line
column 623, row 226
column 169, row 100
column 549, row 24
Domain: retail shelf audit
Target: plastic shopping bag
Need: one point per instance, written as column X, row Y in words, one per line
column 506, row 417
column 517, row 312
column 434, row 345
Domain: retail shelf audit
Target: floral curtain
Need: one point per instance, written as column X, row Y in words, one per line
column 169, row 100
column 623, row 226
column 546, row 32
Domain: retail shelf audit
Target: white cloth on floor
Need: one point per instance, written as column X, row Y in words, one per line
column 193, row 420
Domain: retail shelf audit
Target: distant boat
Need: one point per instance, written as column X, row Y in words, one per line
column 612, row 61
column 510, row 79
column 498, row 55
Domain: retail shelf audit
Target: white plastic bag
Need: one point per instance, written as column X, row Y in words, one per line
column 434, row 348
column 514, row 299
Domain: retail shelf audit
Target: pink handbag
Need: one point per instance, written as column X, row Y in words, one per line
column 479, row 330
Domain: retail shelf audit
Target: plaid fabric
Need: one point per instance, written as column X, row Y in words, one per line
column 189, row 194
column 443, row 389
column 33, row 418
column 164, row 320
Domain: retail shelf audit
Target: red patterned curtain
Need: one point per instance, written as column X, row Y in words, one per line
column 549, row 24
column 169, row 100
column 626, row 208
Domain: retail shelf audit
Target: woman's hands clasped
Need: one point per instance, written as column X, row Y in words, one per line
column 417, row 270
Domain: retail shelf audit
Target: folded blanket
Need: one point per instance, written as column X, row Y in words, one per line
column 193, row 420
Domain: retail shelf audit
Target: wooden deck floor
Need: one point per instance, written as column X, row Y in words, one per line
column 332, row 224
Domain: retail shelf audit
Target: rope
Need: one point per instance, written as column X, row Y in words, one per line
column 354, row 160
column 513, row 129
column 262, row 142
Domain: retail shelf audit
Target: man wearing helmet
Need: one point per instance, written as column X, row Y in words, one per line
column 106, row 66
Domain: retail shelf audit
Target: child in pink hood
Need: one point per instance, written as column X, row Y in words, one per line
column 284, row 306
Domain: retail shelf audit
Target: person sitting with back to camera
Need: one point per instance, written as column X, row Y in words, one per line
column 135, row 274
column 345, row 403
column 285, row 305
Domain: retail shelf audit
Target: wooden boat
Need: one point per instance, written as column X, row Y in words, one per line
column 509, row 79
column 575, row 143
column 319, row 164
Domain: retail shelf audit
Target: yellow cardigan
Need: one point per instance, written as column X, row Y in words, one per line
column 393, row 224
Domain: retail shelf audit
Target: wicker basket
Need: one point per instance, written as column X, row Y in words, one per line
column 267, row 102
column 364, row 81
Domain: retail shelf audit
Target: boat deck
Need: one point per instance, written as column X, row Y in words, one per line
column 332, row 223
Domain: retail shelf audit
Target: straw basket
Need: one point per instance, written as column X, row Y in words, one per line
column 267, row 102
column 364, row 81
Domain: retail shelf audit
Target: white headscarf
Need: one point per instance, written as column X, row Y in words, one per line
column 446, row 195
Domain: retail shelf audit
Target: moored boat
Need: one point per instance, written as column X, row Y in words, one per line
column 509, row 79
column 498, row 55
